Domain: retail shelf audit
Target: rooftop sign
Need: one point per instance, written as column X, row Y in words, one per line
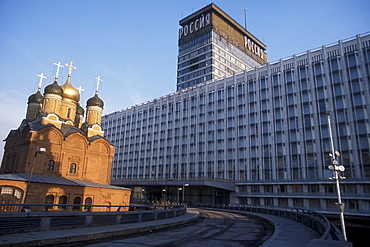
column 199, row 23
column 211, row 18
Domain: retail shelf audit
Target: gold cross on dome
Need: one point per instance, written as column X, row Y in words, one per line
column 58, row 67
column 97, row 83
column 41, row 77
column 70, row 65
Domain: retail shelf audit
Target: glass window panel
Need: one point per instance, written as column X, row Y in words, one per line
column 318, row 69
column 319, row 81
column 344, row 144
column 354, row 74
column 362, row 128
column 336, row 77
column 338, row 90
column 343, row 130
column 303, row 73
column 339, row 103
column 352, row 60
column 364, row 142
column 360, row 114
column 288, row 76
column 292, row 123
column 334, row 64
column 358, row 100
column 356, row 87
column 341, row 116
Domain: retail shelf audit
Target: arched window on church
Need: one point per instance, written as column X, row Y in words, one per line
column 49, row 199
column 51, row 164
column 72, row 168
column 77, row 201
column 69, row 113
column 10, row 194
column 88, row 201
column 62, row 200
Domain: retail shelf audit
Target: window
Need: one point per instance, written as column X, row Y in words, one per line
column 49, row 199
column 77, row 201
column 352, row 60
column 88, row 201
column 73, row 168
column 9, row 194
column 51, row 164
column 62, row 200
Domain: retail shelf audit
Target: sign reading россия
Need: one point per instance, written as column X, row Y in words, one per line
column 253, row 47
column 204, row 20
column 194, row 26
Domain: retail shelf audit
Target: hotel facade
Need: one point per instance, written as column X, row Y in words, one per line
column 260, row 136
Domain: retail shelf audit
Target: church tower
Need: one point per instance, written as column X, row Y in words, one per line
column 35, row 102
column 70, row 100
column 53, row 95
column 94, row 107
column 79, row 116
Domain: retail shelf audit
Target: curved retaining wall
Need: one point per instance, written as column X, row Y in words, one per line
column 42, row 221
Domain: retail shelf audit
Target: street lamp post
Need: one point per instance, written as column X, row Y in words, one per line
column 336, row 170
column 38, row 151
column 165, row 194
column 183, row 192
column 178, row 194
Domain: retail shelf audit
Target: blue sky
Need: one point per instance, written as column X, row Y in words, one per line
column 132, row 45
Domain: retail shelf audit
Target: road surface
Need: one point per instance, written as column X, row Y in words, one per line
column 213, row 228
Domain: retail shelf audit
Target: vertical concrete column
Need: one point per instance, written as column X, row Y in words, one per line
column 118, row 219
column 45, row 223
column 89, row 220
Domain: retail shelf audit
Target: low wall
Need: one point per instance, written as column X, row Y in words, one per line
column 41, row 221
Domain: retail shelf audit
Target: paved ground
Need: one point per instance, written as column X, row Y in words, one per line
column 213, row 229
column 287, row 233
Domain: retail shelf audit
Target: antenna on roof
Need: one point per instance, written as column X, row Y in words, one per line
column 245, row 19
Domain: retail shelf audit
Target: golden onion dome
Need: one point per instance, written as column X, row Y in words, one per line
column 69, row 92
column 36, row 98
column 53, row 88
column 95, row 101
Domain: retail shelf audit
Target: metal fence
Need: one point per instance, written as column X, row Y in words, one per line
column 15, row 222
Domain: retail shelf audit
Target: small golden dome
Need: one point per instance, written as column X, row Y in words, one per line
column 69, row 92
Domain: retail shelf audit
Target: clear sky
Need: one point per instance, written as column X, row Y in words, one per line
column 132, row 45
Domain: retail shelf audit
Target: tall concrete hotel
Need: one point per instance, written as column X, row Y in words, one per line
column 242, row 130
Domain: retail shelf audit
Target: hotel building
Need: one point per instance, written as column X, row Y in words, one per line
column 257, row 137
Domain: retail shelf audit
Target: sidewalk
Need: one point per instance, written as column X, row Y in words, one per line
column 290, row 233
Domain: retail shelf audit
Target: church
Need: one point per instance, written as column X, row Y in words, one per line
column 54, row 157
